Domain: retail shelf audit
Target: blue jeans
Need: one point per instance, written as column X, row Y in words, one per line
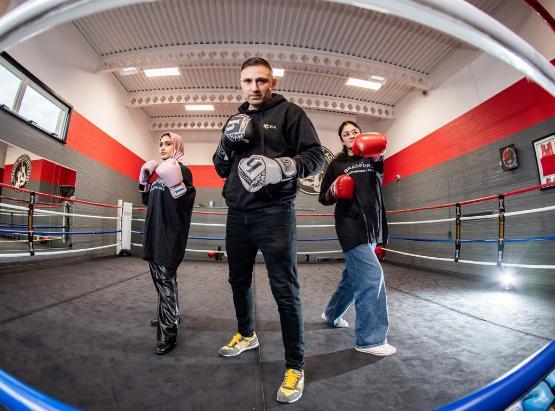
column 362, row 282
column 271, row 229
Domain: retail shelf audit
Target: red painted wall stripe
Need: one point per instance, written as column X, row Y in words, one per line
column 514, row 109
column 87, row 139
column 206, row 176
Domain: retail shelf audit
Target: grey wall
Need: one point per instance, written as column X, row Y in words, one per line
column 475, row 175
column 95, row 182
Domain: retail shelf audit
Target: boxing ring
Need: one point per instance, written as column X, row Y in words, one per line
column 532, row 383
column 527, row 382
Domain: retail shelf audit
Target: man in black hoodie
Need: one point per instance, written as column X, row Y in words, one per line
column 264, row 149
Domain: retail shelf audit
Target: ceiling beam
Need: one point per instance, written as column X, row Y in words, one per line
column 305, row 101
column 188, row 123
column 279, row 56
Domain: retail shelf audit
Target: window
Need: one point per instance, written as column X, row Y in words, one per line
column 9, row 86
column 31, row 100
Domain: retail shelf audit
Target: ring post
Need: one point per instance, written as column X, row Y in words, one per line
column 125, row 211
column 30, row 223
column 457, row 231
column 501, row 237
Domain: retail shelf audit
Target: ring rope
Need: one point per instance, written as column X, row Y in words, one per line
column 427, row 257
column 192, row 250
column 507, row 240
column 35, row 226
column 58, row 252
column 496, row 215
column 475, row 200
column 46, row 212
column 60, row 232
column 71, row 200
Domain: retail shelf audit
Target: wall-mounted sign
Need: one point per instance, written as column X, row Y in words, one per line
column 509, row 158
column 311, row 184
column 544, row 148
column 21, row 171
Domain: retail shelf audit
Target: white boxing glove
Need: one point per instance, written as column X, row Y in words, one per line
column 170, row 172
column 147, row 170
column 258, row 171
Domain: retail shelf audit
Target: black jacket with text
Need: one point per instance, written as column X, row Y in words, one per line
column 167, row 222
column 362, row 220
column 280, row 129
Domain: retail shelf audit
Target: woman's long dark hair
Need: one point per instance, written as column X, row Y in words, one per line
column 344, row 154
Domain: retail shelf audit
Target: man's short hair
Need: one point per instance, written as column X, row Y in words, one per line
column 255, row 61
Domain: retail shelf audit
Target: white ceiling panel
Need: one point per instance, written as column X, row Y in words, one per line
column 319, row 43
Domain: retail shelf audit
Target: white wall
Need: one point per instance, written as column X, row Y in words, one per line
column 66, row 63
column 457, row 90
column 13, row 153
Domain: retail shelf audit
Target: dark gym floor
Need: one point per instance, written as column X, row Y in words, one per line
column 80, row 332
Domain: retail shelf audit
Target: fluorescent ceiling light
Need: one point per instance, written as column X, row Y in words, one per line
column 373, row 85
column 278, row 72
column 199, row 107
column 127, row 71
column 169, row 71
column 378, row 78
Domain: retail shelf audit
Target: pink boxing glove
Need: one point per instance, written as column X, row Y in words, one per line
column 170, row 172
column 147, row 170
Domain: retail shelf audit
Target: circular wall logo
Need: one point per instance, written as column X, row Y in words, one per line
column 311, row 185
column 21, row 171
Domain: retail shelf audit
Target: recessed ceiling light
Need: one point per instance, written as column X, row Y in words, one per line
column 378, row 78
column 199, row 107
column 168, row 71
column 127, row 71
column 277, row 72
column 372, row 85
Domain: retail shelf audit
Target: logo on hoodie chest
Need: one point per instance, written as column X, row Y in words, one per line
column 269, row 126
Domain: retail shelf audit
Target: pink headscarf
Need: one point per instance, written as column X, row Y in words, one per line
column 177, row 145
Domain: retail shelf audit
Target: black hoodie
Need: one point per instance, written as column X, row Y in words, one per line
column 167, row 222
column 362, row 220
column 280, row 129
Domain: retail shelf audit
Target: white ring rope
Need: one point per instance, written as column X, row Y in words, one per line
column 38, row 237
column 45, row 212
column 480, row 217
column 427, row 257
column 224, row 252
column 58, row 252
column 223, row 224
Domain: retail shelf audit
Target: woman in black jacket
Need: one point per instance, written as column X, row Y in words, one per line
column 170, row 200
column 353, row 183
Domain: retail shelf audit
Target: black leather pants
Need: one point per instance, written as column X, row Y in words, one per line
column 168, row 302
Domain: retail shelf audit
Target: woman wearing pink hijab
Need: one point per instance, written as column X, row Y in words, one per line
column 170, row 200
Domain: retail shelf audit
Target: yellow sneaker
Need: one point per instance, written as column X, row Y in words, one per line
column 238, row 344
column 291, row 388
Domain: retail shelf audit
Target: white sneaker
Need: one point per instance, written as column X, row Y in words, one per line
column 341, row 324
column 379, row 350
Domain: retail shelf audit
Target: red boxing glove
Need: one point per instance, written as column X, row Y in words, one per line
column 369, row 145
column 343, row 188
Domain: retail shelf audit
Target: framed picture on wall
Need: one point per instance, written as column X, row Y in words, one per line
column 509, row 157
column 544, row 148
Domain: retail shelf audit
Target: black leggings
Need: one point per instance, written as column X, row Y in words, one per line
column 168, row 301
